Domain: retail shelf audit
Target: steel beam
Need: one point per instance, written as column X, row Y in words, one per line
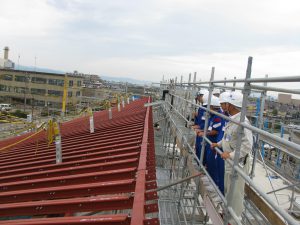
column 110, row 175
column 60, row 206
column 116, row 219
column 79, row 160
column 70, row 191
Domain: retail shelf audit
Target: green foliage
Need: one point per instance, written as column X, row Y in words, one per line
column 275, row 112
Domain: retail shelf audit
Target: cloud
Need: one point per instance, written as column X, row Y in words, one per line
column 29, row 18
column 152, row 38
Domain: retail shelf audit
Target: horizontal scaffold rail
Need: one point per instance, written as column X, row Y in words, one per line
column 179, row 103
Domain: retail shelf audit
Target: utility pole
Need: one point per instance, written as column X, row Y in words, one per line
column 26, row 79
column 32, row 108
column 64, row 102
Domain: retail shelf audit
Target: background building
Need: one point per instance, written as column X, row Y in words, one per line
column 37, row 88
column 5, row 62
column 41, row 89
column 285, row 98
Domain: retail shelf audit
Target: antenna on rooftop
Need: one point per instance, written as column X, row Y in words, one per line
column 18, row 61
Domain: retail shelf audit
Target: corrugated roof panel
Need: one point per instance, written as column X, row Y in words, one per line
column 107, row 172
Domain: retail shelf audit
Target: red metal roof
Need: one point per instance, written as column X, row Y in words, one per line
column 109, row 172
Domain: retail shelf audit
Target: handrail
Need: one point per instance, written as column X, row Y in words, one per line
column 255, row 129
column 283, row 213
column 289, row 148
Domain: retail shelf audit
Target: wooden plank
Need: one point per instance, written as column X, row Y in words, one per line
column 264, row 208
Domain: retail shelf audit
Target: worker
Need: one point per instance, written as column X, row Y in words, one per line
column 199, row 120
column 216, row 93
column 199, row 101
column 214, row 162
column 224, row 96
column 219, row 162
column 228, row 143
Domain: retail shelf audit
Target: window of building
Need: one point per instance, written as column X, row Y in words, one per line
column 39, row 102
column 79, row 83
column 71, row 83
column 36, row 91
column 77, row 93
column 54, row 104
column 56, row 82
column 55, row 93
column 20, row 90
column 38, row 80
column 69, row 93
column 20, row 78
column 6, row 77
column 4, row 88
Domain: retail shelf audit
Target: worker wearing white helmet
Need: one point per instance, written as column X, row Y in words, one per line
column 228, row 143
column 199, row 95
column 214, row 133
column 224, row 98
column 216, row 92
column 199, row 101
column 200, row 121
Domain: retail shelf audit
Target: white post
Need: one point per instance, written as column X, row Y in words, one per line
column 58, row 147
column 109, row 114
column 128, row 100
column 133, row 98
column 92, row 127
column 119, row 107
column 123, row 103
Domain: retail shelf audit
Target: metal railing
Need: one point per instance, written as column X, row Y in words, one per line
column 179, row 102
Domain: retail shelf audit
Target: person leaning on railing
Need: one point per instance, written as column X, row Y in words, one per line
column 199, row 120
column 214, row 162
column 228, row 143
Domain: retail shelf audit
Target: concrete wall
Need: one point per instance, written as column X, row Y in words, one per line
column 296, row 102
column 285, row 98
column 13, row 88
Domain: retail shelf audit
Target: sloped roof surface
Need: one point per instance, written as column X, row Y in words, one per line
column 107, row 177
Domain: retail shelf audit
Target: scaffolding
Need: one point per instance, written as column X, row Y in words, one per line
column 187, row 193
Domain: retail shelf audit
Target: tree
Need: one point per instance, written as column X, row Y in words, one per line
column 275, row 112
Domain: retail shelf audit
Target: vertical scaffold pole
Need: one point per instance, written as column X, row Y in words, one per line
column 210, row 89
column 195, row 79
column 260, row 126
column 246, row 92
column 234, row 84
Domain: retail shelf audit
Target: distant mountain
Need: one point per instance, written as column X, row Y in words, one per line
column 126, row 79
column 104, row 77
column 38, row 69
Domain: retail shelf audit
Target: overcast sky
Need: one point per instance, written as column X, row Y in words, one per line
column 146, row 39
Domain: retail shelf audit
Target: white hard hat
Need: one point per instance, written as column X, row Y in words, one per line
column 224, row 97
column 205, row 99
column 216, row 91
column 203, row 92
column 236, row 99
column 215, row 101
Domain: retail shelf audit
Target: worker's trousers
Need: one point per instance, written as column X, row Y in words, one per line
column 237, row 203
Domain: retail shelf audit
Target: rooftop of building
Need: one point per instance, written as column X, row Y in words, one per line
column 40, row 73
column 102, row 176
